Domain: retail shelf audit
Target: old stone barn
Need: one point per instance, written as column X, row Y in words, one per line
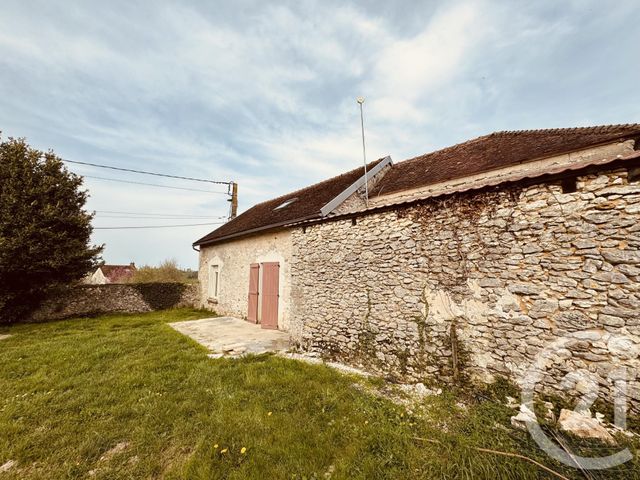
column 467, row 262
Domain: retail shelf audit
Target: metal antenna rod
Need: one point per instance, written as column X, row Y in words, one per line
column 360, row 101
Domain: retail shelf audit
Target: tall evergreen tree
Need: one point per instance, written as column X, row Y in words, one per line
column 44, row 229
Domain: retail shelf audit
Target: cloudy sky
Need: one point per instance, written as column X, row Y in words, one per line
column 263, row 93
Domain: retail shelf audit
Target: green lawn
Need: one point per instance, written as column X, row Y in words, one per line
column 71, row 391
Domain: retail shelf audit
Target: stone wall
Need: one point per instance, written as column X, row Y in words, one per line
column 233, row 259
column 478, row 285
column 89, row 300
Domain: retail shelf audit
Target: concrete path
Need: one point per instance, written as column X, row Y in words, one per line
column 231, row 336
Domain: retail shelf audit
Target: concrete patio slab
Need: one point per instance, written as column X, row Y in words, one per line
column 232, row 336
column 4, row 336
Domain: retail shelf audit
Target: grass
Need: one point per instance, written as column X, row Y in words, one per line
column 71, row 391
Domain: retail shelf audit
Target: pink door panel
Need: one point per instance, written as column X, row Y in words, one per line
column 254, row 277
column 270, row 295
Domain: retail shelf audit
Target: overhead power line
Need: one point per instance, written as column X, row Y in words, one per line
column 189, row 215
column 143, row 172
column 153, row 184
column 157, row 226
column 232, row 187
column 164, row 217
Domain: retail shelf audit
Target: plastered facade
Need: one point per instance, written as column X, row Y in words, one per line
column 233, row 259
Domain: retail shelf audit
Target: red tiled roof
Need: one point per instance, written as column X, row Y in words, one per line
column 118, row 273
column 307, row 204
column 494, row 151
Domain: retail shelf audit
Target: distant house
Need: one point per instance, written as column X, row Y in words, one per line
column 111, row 274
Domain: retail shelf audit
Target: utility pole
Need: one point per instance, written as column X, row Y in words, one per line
column 360, row 101
column 234, row 200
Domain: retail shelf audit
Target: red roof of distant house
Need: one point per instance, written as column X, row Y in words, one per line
column 118, row 273
column 482, row 154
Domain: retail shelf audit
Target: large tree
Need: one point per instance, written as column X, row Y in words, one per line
column 44, row 229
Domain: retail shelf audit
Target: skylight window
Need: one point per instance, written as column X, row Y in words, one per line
column 286, row 203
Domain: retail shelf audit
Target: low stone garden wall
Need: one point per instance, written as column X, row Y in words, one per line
column 89, row 300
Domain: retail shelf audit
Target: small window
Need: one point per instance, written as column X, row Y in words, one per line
column 286, row 203
column 214, row 281
column 569, row 185
column 634, row 174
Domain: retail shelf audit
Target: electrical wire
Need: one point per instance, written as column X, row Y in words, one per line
column 217, row 182
column 152, row 184
column 157, row 226
column 157, row 214
column 164, row 217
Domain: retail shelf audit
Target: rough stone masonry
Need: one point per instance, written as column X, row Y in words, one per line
column 477, row 285
column 90, row 300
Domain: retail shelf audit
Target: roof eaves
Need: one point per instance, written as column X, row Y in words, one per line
column 351, row 189
column 244, row 233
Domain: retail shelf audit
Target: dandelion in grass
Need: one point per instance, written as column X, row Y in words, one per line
column 224, row 450
column 243, row 450
column 215, row 446
column 269, row 414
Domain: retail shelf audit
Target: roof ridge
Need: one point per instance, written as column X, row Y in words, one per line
column 542, row 131
column 595, row 128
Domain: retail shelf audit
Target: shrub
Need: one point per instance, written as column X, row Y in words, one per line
column 167, row 272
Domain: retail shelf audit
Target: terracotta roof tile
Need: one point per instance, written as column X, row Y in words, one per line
column 118, row 273
column 493, row 151
column 307, row 204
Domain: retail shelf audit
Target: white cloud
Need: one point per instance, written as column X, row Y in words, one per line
column 265, row 94
column 414, row 67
